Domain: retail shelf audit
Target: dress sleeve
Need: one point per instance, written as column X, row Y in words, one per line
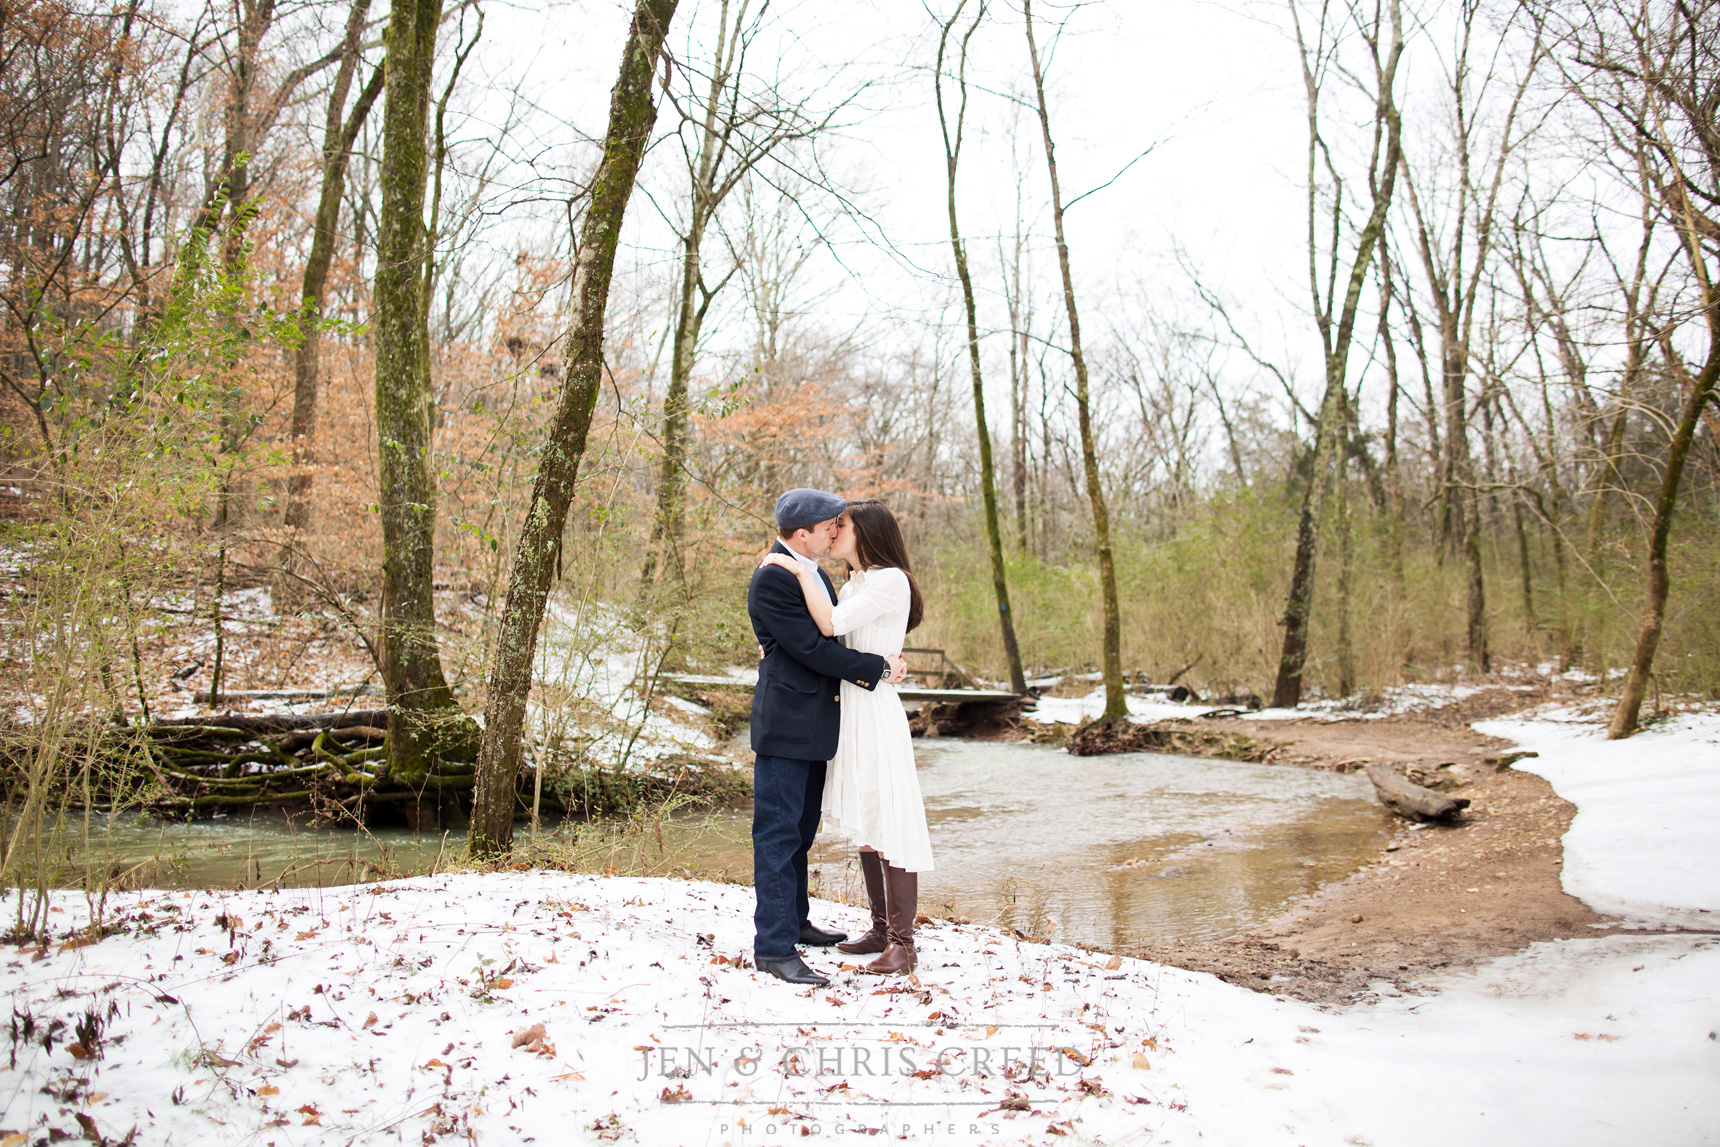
column 882, row 592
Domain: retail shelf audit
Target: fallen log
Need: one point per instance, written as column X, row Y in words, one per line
column 281, row 722
column 1411, row 801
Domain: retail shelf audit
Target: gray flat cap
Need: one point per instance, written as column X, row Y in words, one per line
column 803, row 508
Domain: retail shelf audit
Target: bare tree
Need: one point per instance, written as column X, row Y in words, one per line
column 1335, row 317
column 1116, row 699
column 1454, row 261
column 1020, row 321
column 725, row 134
column 952, row 136
column 537, row 555
column 340, row 128
column 1651, row 70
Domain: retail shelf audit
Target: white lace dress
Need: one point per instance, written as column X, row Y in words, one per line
column 871, row 793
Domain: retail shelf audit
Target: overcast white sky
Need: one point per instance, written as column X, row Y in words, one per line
column 1216, row 85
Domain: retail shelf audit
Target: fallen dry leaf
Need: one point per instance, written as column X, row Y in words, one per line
column 368, row 1021
column 268, row 1089
column 16, row 1139
column 1113, row 963
column 498, row 985
column 528, row 1035
column 1141, row 1063
column 306, row 936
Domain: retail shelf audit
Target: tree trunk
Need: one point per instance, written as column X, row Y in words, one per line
column 411, row 665
column 1293, row 657
column 987, row 470
column 1018, row 321
column 1287, row 690
column 1624, row 721
column 1394, row 477
column 667, row 533
column 1116, row 700
column 337, row 149
column 1476, row 598
column 1462, row 503
column 1524, row 570
column 631, row 116
column 1346, row 570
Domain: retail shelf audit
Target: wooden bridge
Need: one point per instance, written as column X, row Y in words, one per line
column 905, row 691
column 954, row 685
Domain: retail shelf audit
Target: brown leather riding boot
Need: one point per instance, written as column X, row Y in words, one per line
column 872, row 872
column 901, row 902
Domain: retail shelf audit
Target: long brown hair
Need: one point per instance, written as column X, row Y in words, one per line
column 878, row 543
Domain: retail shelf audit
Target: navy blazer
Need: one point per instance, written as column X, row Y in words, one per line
column 797, row 711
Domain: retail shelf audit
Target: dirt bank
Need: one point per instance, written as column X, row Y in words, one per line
column 1435, row 896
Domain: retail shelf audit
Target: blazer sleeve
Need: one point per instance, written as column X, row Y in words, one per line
column 882, row 592
column 779, row 612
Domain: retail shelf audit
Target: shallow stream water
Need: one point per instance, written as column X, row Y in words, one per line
column 1141, row 847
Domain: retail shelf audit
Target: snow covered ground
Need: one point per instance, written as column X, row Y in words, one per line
column 1074, row 710
column 1394, row 701
column 1644, row 843
column 391, row 1013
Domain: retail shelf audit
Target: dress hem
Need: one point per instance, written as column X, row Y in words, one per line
column 854, row 837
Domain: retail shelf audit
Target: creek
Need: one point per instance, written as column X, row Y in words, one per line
column 1133, row 848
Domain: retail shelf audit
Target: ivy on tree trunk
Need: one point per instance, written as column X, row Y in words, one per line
column 418, row 694
column 631, row 117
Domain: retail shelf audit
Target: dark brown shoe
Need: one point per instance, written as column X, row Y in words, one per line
column 872, row 872
column 901, row 901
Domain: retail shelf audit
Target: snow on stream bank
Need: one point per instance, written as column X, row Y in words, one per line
column 386, row 1013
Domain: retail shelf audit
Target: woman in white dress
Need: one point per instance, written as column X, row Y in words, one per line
column 872, row 793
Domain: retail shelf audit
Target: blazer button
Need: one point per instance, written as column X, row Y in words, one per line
column 837, row 698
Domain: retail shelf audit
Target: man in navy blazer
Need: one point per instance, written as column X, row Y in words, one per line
column 796, row 718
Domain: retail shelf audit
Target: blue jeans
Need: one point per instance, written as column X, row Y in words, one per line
column 788, row 797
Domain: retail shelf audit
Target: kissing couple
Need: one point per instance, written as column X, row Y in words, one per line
column 829, row 733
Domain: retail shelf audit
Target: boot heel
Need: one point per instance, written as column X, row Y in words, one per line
column 901, row 901
column 875, row 940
